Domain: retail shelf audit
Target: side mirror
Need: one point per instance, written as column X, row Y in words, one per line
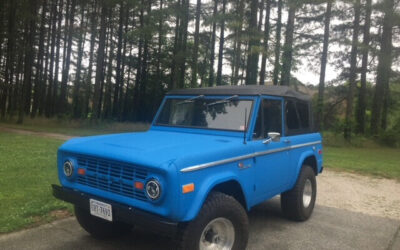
column 272, row 137
column 275, row 136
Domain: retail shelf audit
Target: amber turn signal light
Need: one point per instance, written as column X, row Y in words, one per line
column 139, row 185
column 81, row 171
column 188, row 188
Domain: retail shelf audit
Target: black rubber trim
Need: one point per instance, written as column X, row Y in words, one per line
column 121, row 212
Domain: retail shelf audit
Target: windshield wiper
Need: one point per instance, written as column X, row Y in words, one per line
column 226, row 100
column 190, row 99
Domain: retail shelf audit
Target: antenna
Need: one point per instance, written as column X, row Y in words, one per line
column 245, row 126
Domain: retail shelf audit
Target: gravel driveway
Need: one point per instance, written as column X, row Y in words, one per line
column 357, row 193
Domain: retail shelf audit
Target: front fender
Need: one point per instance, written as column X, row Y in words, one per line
column 195, row 201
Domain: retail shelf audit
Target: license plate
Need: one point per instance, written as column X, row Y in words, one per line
column 101, row 209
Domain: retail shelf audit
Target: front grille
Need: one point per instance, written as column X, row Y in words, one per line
column 112, row 176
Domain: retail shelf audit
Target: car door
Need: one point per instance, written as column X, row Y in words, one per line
column 272, row 158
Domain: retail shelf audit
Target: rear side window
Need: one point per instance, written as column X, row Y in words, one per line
column 297, row 117
column 302, row 109
column 292, row 120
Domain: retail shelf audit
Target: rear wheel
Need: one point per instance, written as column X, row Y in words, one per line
column 100, row 228
column 298, row 203
column 222, row 223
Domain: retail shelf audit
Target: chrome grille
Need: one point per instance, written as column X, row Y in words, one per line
column 112, row 176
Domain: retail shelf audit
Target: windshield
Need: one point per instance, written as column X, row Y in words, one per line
column 200, row 112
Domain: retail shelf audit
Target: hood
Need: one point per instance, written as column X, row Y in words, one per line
column 157, row 148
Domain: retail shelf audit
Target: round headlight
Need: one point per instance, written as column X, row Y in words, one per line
column 68, row 168
column 153, row 189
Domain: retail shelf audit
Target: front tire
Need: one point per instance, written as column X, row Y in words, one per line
column 222, row 223
column 99, row 228
column 298, row 203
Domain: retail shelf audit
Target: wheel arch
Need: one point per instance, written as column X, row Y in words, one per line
column 231, row 188
column 227, row 184
column 306, row 158
column 311, row 161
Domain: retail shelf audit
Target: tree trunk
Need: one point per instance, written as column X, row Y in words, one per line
column 174, row 68
column 64, row 95
column 144, row 84
column 288, row 46
column 39, row 62
column 238, row 42
column 108, row 86
column 324, row 59
column 2, row 22
column 266, row 38
column 121, row 89
column 260, row 17
column 126, row 109
column 9, row 72
column 385, row 108
column 384, row 68
column 252, row 52
column 46, row 75
column 277, row 65
column 25, row 95
column 76, row 102
column 212, row 55
column 353, row 73
column 157, row 87
column 57, row 66
column 361, row 107
column 65, row 38
column 138, row 80
column 195, row 55
column 88, row 81
column 100, row 63
column 119, row 76
column 50, row 100
column 14, row 92
column 184, row 35
column 221, row 45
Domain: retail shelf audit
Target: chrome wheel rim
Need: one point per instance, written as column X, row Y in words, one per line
column 219, row 234
column 307, row 193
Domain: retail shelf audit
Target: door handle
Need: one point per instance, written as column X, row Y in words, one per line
column 286, row 141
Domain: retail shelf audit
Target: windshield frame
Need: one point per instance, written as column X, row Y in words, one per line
column 253, row 100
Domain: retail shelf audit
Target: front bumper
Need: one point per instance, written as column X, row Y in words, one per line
column 121, row 212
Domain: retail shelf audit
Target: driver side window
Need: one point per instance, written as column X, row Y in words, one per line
column 269, row 118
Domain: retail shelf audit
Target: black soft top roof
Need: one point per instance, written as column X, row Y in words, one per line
column 273, row 90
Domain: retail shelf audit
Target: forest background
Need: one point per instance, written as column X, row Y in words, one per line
column 113, row 60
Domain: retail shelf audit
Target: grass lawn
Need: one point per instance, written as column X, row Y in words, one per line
column 27, row 168
column 377, row 161
column 74, row 127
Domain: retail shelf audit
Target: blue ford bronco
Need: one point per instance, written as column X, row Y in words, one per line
column 210, row 155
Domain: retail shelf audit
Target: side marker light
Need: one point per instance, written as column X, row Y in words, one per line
column 188, row 188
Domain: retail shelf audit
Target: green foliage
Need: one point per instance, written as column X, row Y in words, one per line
column 391, row 137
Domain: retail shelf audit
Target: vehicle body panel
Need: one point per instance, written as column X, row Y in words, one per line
column 177, row 156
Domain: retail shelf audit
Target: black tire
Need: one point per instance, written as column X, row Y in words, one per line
column 99, row 228
column 292, row 203
column 217, row 205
